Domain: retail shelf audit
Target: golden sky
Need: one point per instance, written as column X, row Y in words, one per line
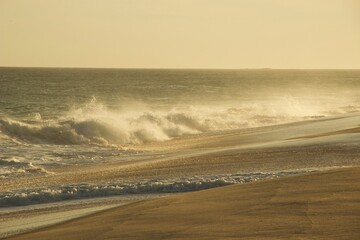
column 180, row 33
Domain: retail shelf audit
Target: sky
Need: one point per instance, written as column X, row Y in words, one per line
column 233, row 34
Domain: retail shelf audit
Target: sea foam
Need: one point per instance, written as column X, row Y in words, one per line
column 173, row 185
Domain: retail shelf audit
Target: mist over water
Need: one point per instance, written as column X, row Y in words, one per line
column 49, row 115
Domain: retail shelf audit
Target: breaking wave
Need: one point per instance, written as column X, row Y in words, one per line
column 93, row 123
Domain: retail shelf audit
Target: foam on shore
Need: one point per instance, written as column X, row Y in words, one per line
column 322, row 205
column 175, row 185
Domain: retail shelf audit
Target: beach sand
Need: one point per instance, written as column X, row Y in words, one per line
column 323, row 205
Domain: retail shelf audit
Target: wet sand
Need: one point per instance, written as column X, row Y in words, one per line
column 323, row 205
column 20, row 219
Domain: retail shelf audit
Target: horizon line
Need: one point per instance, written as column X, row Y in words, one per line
column 179, row 68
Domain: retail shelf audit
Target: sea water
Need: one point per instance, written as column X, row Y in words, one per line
column 64, row 117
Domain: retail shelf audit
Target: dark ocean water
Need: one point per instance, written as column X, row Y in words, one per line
column 27, row 91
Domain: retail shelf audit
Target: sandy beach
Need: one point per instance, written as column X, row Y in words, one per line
column 311, row 206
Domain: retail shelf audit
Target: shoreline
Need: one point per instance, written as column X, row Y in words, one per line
column 297, row 147
column 203, row 159
column 23, row 219
column 293, row 206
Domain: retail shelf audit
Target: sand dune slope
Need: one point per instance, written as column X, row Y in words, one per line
column 323, row 205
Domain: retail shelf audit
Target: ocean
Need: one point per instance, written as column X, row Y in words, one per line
column 55, row 117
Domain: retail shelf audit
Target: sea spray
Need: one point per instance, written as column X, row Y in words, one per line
column 94, row 123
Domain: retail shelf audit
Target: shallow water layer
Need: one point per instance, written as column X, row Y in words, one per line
column 16, row 220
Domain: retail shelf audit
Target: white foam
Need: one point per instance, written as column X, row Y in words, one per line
column 78, row 191
column 93, row 123
column 17, row 166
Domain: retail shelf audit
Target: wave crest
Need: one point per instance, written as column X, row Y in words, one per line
column 95, row 124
